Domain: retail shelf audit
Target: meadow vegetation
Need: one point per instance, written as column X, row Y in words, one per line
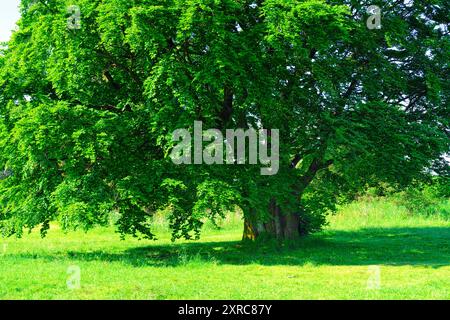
column 411, row 250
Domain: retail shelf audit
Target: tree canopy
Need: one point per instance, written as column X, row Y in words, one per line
column 87, row 113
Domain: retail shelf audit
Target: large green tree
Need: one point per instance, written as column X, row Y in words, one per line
column 87, row 114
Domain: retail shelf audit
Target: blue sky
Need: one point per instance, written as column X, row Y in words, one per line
column 9, row 14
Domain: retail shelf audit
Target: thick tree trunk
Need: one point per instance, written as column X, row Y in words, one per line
column 280, row 226
column 284, row 226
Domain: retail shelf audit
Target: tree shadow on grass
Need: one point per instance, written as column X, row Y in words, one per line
column 424, row 246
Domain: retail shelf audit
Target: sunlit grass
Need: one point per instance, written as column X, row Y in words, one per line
column 411, row 252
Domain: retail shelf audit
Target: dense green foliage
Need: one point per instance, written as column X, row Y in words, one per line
column 86, row 116
column 426, row 199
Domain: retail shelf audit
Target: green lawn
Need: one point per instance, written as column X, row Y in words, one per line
column 411, row 254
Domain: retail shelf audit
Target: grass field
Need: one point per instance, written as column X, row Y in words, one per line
column 370, row 250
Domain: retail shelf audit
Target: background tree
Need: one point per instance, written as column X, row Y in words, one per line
column 86, row 115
